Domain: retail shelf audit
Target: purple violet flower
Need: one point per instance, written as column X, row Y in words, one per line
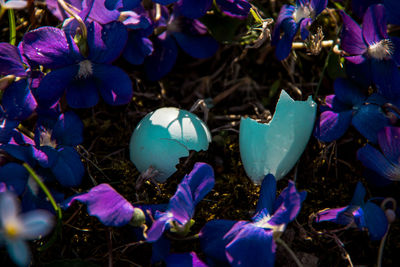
column 365, row 215
column 190, row 34
column 251, row 243
column 11, row 61
column 53, row 148
column 82, row 78
column 349, row 105
column 290, row 19
column 383, row 166
column 180, row 210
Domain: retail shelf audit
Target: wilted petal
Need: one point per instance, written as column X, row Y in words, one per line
column 106, row 204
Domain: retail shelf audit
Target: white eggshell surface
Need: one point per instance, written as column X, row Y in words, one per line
column 163, row 136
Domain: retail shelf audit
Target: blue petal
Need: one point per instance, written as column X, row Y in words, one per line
column 184, row 259
column 68, row 130
column 369, row 120
column 113, row 93
column 163, row 58
column 287, row 205
column 392, row 10
column 252, row 246
column 160, row 250
column 267, row 194
column 286, row 13
column 348, row 92
column 234, row 8
column 10, row 61
column 17, row 101
column 158, row 227
column 213, row 241
column 373, row 159
column 106, row 42
column 351, row 36
column 53, row 85
column 318, row 6
column 50, row 47
column 389, row 142
column 375, row 220
column 68, row 169
column 137, row 48
column 15, row 176
column 196, row 45
column 374, row 24
column 200, row 180
column 386, row 76
column 284, row 45
column 165, row 2
column 106, row 204
column 193, row 8
column 82, row 93
column 305, row 23
column 331, row 125
column 359, row 195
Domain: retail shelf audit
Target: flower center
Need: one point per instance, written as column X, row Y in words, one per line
column 45, row 138
column 381, row 50
column 85, row 69
column 11, row 229
column 302, row 12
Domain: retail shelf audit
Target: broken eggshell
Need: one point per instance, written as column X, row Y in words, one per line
column 276, row 146
column 164, row 136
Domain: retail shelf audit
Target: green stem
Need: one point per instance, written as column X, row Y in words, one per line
column 44, row 188
column 13, row 31
column 255, row 15
column 381, row 246
column 283, row 244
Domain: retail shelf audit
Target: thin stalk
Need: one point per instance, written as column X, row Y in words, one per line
column 13, row 31
column 381, row 246
column 73, row 14
column 288, row 249
column 2, row 11
column 46, row 191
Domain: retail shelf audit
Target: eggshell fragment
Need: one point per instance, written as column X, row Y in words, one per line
column 164, row 136
column 276, row 146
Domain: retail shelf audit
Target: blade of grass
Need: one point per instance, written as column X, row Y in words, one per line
column 13, row 31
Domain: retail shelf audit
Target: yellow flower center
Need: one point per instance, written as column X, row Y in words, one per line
column 11, row 230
